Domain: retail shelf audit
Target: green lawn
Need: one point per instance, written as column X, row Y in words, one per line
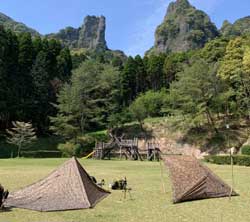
column 150, row 202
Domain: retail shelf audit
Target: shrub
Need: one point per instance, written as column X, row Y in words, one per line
column 68, row 149
column 241, row 160
column 86, row 145
column 245, row 150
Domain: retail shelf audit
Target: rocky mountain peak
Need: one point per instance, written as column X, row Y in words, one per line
column 178, row 6
column 92, row 33
column 184, row 28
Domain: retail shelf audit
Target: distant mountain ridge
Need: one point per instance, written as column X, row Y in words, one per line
column 17, row 27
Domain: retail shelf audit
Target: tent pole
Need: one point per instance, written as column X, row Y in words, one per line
column 162, row 180
column 231, row 162
column 232, row 173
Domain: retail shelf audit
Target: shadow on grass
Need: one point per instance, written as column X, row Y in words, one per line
column 6, row 209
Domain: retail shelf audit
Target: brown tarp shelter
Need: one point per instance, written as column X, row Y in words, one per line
column 67, row 188
column 191, row 180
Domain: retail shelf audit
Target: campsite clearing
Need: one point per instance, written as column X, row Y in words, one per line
column 149, row 202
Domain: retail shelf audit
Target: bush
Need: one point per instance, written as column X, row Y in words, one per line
column 241, row 160
column 99, row 136
column 245, row 150
column 68, row 149
column 87, row 143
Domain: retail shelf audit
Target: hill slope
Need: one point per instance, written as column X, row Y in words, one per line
column 15, row 26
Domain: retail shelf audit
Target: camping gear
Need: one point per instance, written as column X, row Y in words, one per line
column 3, row 196
column 191, row 180
column 119, row 184
column 67, row 188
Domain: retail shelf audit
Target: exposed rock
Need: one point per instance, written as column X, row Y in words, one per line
column 240, row 27
column 91, row 35
column 17, row 27
column 69, row 36
column 184, row 28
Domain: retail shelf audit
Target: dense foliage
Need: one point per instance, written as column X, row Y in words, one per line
column 87, row 101
column 31, row 73
column 245, row 150
column 208, row 87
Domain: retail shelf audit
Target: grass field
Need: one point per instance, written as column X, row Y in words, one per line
column 149, row 202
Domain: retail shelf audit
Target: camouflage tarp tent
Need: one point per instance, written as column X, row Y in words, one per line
column 191, row 180
column 67, row 188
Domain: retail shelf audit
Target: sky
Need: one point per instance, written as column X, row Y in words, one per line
column 130, row 23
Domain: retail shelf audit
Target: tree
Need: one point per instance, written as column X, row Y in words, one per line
column 3, row 76
column 12, row 66
column 214, row 50
column 87, row 101
column 25, row 61
column 246, row 79
column 64, row 64
column 21, row 135
column 193, row 94
column 137, row 108
column 235, row 71
column 148, row 105
column 41, row 84
column 155, row 72
column 140, row 75
column 172, row 65
column 128, row 82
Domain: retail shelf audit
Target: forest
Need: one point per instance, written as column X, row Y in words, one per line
column 72, row 94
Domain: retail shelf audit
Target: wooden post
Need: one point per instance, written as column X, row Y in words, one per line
column 147, row 151
column 120, row 153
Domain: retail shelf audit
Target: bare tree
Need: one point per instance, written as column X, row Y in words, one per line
column 21, row 135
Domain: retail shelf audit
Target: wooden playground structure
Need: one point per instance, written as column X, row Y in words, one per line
column 125, row 148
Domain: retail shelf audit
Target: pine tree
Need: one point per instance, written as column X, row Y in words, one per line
column 3, row 77
column 25, row 61
column 41, row 105
column 155, row 72
column 141, row 75
column 128, row 82
column 11, row 61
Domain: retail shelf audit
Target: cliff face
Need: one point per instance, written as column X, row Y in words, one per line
column 184, row 28
column 91, row 35
column 17, row 27
column 240, row 27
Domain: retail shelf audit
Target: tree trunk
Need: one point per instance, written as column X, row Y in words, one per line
column 19, row 150
column 211, row 121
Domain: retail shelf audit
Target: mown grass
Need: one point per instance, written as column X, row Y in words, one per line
column 149, row 203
